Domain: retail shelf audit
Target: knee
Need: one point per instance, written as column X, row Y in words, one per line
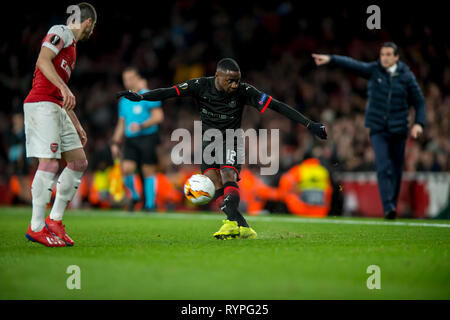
column 215, row 178
column 228, row 175
column 148, row 170
column 128, row 167
column 49, row 166
column 78, row 165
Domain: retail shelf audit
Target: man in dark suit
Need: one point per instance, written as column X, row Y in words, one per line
column 392, row 89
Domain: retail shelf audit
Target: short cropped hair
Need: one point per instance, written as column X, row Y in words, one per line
column 87, row 11
column 228, row 64
column 391, row 45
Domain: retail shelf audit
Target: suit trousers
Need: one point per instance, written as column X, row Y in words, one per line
column 389, row 151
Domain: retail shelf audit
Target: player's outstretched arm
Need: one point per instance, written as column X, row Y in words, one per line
column 315, row 128
column 187, row 88
column 130, row 95
column 262, row 101
column 152, row 95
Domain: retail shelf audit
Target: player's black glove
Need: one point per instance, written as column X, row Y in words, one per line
column 317, row 129
column 130, row 95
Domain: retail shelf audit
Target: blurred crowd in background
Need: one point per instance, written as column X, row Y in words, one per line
column 272, row 42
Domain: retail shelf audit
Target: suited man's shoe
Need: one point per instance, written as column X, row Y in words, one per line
column 390, row 215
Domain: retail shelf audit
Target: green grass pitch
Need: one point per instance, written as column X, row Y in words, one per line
column 174, row 256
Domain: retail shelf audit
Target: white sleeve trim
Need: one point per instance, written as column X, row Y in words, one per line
column 50, row 46
column 64, row 33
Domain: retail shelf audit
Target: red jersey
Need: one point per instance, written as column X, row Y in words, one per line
column 59, row 39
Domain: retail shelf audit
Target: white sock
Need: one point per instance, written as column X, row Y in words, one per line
column 67, row 186
column 41, row 192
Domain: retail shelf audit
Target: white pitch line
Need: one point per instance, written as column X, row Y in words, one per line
column 343, row 221
column 304, row 220
column 216, row 216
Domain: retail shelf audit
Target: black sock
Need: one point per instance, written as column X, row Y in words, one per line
column 218, row 197
column 231, row 203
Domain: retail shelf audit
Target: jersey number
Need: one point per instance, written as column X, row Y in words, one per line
column 231, row 154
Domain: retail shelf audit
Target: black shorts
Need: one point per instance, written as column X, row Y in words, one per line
column 231, row 158
column 142, row 149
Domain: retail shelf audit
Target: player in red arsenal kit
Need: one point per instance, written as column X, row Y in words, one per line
column 52, row 129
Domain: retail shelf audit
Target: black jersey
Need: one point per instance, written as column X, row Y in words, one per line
column 218, row 109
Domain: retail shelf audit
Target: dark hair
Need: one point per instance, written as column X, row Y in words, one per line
column 391, row 45
column 87, row 11
column 228, row 64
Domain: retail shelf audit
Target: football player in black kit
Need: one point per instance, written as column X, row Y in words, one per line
column 221, row 100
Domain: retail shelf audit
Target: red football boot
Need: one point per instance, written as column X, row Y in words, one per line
column 59, row 230
column 44, row 237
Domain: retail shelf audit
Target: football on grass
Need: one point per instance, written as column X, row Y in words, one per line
column 199, row 189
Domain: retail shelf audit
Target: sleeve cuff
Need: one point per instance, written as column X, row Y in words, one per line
column 51, row 47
